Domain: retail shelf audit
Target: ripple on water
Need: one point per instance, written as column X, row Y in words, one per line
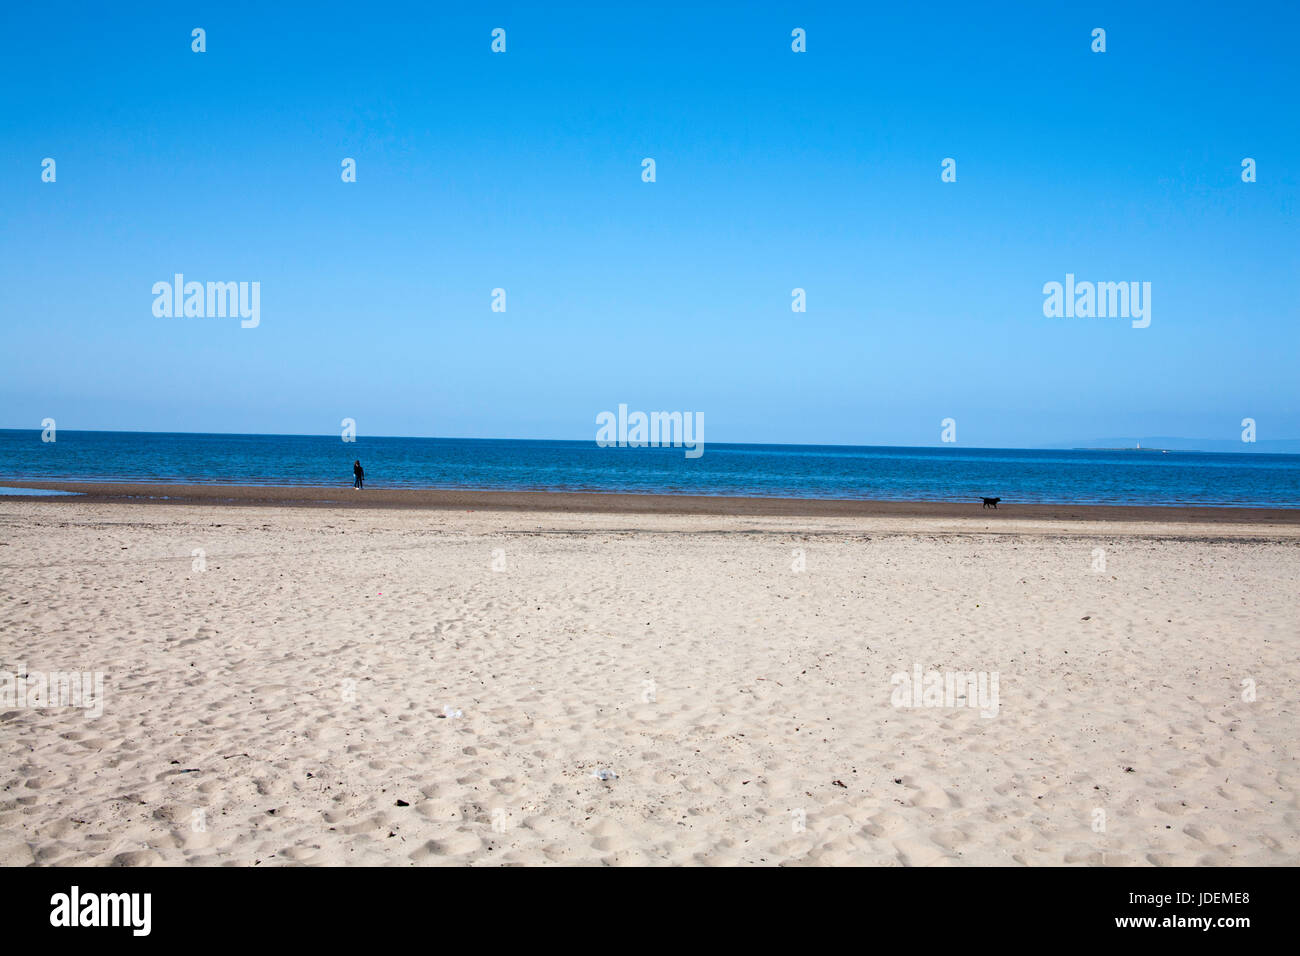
column 34, row 491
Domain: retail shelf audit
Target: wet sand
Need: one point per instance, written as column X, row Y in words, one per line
column 605, row 503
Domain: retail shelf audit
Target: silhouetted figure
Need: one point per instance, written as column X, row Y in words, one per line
column 359, row 474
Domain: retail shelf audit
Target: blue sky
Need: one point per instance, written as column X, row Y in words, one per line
column 775, row 170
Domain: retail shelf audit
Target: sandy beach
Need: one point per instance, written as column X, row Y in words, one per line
column 311, row 682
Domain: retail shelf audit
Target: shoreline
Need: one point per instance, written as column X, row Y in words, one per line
column 445, row 499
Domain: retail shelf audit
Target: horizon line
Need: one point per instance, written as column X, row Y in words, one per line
column 1057, row 447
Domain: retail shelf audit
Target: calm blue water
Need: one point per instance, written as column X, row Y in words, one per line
column 796, row 471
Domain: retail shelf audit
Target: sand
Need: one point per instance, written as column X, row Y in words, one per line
column 279, row 697
column 343, row 496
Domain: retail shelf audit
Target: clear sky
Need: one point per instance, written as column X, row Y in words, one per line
column 775, row 170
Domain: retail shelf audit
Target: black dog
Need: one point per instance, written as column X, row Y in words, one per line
column 992, row 502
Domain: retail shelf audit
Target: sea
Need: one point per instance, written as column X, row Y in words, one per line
column 1146, row 477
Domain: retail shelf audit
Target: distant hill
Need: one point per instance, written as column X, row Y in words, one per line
column 1279, row 446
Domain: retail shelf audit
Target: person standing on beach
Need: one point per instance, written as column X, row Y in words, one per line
column 359, row 475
